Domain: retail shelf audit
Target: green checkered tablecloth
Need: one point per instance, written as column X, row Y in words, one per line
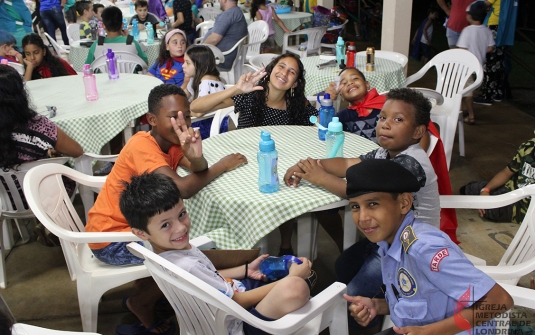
column 78, row 53
column 292, row 21
column 93, row 123
column 387, row 74
column 233, row 212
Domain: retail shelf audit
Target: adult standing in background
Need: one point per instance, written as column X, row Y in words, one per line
column 156, row 7
column 184, row 18
column 52, row 16
column 16, row 19
column 456, row 19
column 70, row 11
column 229, row 27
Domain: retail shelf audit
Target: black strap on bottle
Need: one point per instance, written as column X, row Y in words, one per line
column 129, row 39
column 100, row 40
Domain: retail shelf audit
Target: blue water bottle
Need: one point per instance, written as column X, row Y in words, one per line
column 150, row 33
column 135, row 30
column 125, row 24
column 132, row 10
column 277, row 267
column 334, row 139
column 268, row 178
column 326, row 114
column 340, row 50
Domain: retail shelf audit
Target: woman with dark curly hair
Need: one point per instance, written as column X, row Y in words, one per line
column 40, row 63
column 275, row 96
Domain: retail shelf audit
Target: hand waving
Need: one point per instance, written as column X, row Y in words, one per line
column 190, row 140
column 247, row 82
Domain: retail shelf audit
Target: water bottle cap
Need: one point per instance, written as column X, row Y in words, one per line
column 266, row 143
column 340, row 41
column 4, row 61
column 110, row 54
column 335, row 126
column 87, row 70
column 292, row 258
column 161, row 24
column 326, row 101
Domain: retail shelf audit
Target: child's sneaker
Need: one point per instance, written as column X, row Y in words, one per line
column 497, row 98
column 482, row 101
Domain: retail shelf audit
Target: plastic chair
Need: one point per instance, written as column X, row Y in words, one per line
column 24, row 329
column 262, row 60
column 218, row 119
column 73, row 31
column 126, row 63
column 202, row 309
column 390, row 55
column 258, row 34
column 50, row 203
column 19, row 67
column 202, row 28
column 209, row 14
column 519, row 258
column 219, row 57
column 61, row 51
column 313, row 43
column 333, row 45
column 106, row 3
column 235, row 71
column 453, row 67
column 12, row 206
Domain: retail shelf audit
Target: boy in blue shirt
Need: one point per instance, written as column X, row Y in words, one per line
column 430, row 286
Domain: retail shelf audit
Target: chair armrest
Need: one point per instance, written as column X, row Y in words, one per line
column 522, row 296
column 507, row 272
column 91, row 237
column 493, row 201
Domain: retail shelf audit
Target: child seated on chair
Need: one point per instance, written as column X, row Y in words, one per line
column 83, row 8
column 112, row 21
column 170, row 143
column 7, row 50
column 98, row 8
column 154, row 210
column 401, row 124
column 144, row 16
column 429, row 284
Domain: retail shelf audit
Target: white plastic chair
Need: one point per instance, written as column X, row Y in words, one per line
column 51, row 205
column 209, row 14
column 519, row 258
column 258, row 34
column 313, row 44
column 126, row 63
column 235, row 71
column 15, row 209
column 25, row 329
column 262, row 60
column 219, row 57
column 218, row 118
column 202, row 28
column 61, row 51
column 333, row 45
column 202, row 309
column 19, row 67
column 390, row 55
column 453, row 67
column 73, row 31
column 106, row 3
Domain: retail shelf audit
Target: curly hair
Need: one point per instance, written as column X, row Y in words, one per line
column 161, row 91
column 52, row 62
column 295, row 103
column 15, row 112
column 420, row 104
column 204, row 61
column 354, row 69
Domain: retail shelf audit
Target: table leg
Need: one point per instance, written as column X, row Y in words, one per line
column 350, row 230
column 307, row 232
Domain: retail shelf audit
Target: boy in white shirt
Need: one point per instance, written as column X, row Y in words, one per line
column 476, row 38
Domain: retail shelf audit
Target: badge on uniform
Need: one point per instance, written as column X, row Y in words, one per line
column 407, row 238
column 406, row 283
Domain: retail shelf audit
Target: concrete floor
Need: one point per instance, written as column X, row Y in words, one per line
column 39, row 291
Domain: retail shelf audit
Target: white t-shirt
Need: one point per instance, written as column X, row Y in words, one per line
column 429, row 34
column 206, row 87
column 196, row 263
column 476, row 39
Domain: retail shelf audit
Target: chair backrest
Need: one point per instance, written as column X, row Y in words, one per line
column 390, row 55
column 237, row 66
column 73, row 31
column 60, row 51
column 218, row 54
column 106, row 3
column 209, row 14
column 340, row 26
column 258, row 34
column 203, row 27
column 262, row 60
column 314, row 39
column 13, row 203
column 126, row 62
column 218, row 118
column 19, row 67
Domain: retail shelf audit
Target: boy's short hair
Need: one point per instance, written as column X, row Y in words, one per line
column 81, row 6
column 420, row 104
column 432, row 10
column 147, row 195
column 379, row 175
column 7, row 38
column 159, row 92
column 96, row 6
column 477, row 10
column 353, row 68
column 112, row 18
column 141, row 3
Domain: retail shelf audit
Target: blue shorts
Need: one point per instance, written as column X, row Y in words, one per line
column 452, row 37
column 117, row 254
column 251, row 284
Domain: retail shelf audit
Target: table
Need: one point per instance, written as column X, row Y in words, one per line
column 232, row 211
column 93, row 123
column 78, row 53
column 387, row 75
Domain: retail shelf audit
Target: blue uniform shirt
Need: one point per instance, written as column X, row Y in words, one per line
column 427, row 276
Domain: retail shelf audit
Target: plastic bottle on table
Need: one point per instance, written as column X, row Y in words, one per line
column 101, row 31
column 111, row 64
column 150, row 33
column 334, row 139
column 90, row 84
column 135, row 29
column 350, row 54
column 326, row 114
column 132, row 10
column 268, row 178
column 340, row 50
column 277, row 267
column 125, row 24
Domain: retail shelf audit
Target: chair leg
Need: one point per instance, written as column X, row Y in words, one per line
column 23, row 231
column 461, row 135
column 350, row 230
column 2, row 260
column 307, row 230
column 7, row 234
column 88, row 305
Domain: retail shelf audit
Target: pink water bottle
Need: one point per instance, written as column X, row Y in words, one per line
column 90, row 83
column 350, row 54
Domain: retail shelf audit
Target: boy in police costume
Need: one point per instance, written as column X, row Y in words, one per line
column 430, row 286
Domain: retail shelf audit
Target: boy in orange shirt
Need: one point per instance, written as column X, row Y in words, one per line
column 170, row 143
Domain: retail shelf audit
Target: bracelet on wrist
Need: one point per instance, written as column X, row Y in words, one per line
column 485, row 189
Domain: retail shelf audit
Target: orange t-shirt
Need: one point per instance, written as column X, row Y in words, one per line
column 140, row 154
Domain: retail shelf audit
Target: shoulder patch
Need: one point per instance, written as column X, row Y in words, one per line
column 437, row 258
column 407, row 238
